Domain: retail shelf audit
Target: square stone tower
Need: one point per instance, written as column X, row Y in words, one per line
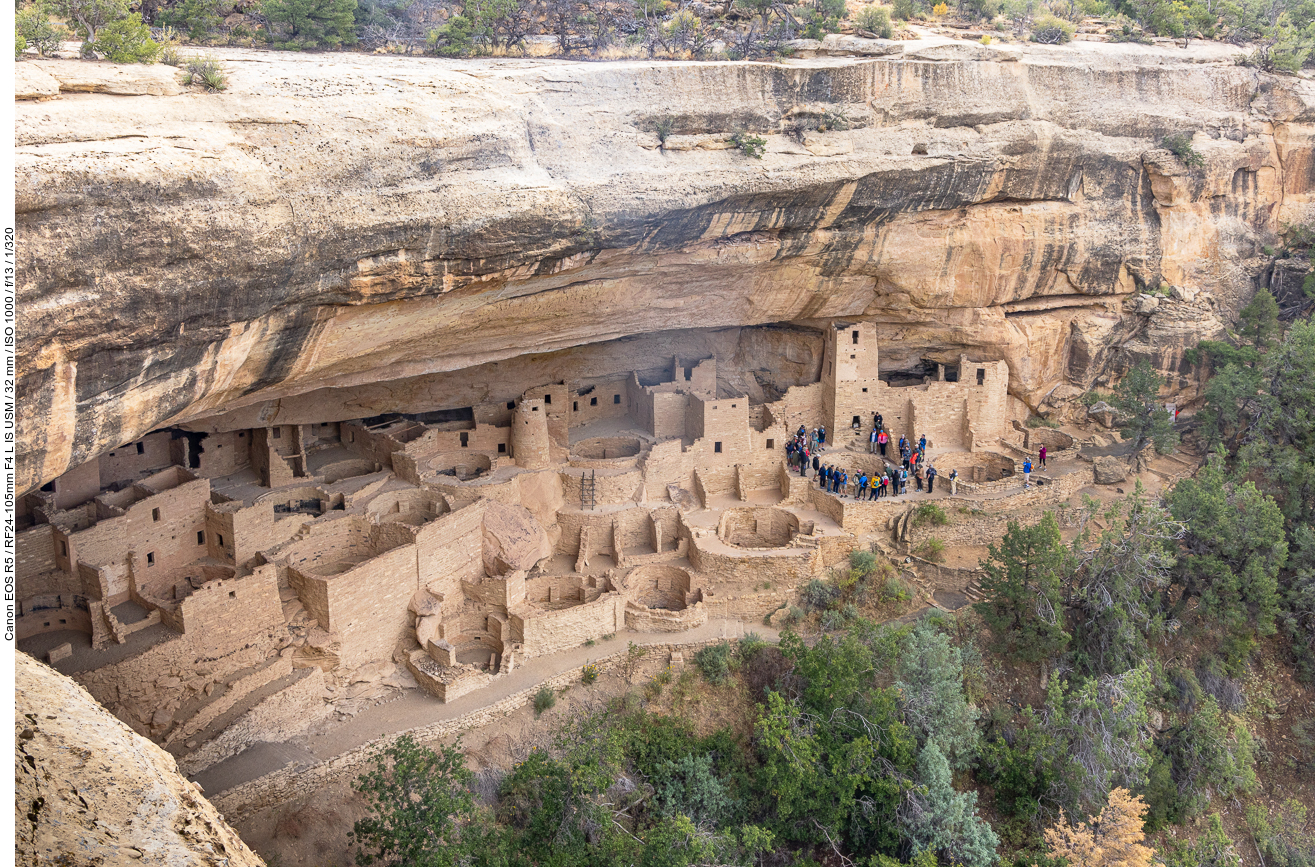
column 849, row 377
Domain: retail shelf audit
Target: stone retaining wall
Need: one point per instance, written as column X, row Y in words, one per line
column 241, row 802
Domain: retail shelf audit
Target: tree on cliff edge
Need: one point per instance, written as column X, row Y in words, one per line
column 1142, row 416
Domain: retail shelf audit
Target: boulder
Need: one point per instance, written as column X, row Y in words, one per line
column 424, row 603
column 1110, row 470
column 513, row 539
column 427, row 628
column 1103, row 413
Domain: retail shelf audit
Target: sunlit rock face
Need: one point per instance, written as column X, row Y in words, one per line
column 342, row 235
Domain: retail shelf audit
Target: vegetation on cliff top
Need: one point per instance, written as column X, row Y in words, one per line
column 1281, row 33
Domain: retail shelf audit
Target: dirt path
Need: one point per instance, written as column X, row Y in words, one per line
column 416, row 708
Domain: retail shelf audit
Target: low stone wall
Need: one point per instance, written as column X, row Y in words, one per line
column 643, row 619
column 241, row 802
column 783, row 565
column 980, row 522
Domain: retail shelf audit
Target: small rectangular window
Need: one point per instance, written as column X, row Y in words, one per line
column 575, row 406
column 278, row 433
column 465, row 440
column 220, row 537
column 511, row 404
column 616, row 398
column 155, row 514
column 734, row 405
column 150, row 558
column 981, row 376
column 502, row 448
column 232, row 594
column 852, row 357
column 716, row 447
column 855, row 337
column 855, row 422
column 533, row 409
column 141, row 449
column 63, row 548
column 771, row 444
column 242, row 435
column 200, row 537
column 49, row 487
column 593, row 401
column 547, row 398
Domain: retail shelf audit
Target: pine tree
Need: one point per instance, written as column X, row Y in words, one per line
column 312, row 23
column 1235, row 547
column 1143, row 417
column 1258, row 321
column 1023, row 582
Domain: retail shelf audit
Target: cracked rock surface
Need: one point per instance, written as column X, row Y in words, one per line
column 89, row 790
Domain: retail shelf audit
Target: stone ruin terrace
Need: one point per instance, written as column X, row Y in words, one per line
column 189, row 576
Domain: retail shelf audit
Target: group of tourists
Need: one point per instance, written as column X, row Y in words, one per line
column 805, row 448
column 802, row 450
column 891, row 480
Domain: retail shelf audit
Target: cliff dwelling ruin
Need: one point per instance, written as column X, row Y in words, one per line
column 463, row 543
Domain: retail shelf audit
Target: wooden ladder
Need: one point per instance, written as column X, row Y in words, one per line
column 587, row 490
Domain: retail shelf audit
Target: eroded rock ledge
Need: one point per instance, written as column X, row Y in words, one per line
column 342, row 235
column 91, row 791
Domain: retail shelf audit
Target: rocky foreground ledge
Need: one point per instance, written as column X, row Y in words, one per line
column 90, row 790
column 341, row 235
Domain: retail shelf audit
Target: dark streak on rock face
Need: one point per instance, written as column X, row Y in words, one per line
column 139, row 283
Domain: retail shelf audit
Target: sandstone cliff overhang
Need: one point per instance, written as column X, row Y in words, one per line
column 331, row 223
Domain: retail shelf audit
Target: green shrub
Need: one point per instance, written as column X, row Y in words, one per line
column 206, row 72
column 1211, row 849
column 311, row 23
column 1283, row 835
column 817, row 595
column 929, row 514
column 169, row 54
column 589, row 673
column 127, row 40
column 197, row 18
column 862, row 562
column 544, row 699
column 794, row 615
column 32, row 25
column 1050, row 30
column 1035, row 421
column 20, row 44
column 750, row 644
column 690, row 787
column 833, row 621
column 714, row 662
column 1180, row 145
column 453, row 39
column 895, row 590
column 933, row 549
column 749, row 144
column 904, row 9
column 876, row 20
